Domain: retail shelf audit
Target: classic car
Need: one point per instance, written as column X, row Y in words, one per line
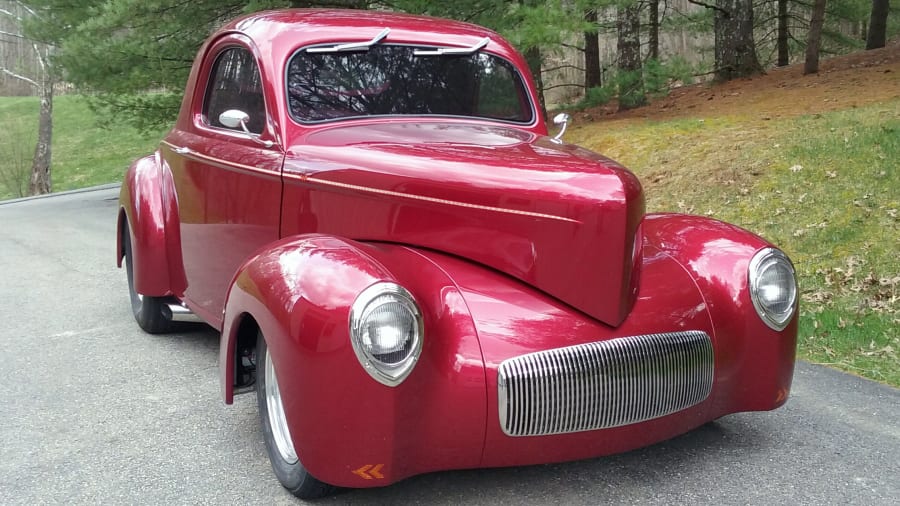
column 413, row 275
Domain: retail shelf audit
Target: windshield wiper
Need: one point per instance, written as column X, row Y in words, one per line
column 351, row 46
column 452, row 50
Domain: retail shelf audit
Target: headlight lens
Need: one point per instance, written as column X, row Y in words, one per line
column 386, row 331
column 773, row 287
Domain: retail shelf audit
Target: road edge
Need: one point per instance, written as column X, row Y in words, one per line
column 101, row 187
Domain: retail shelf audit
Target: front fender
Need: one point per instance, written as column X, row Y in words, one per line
column 147, row 203
column 299, row 292
column 717, row 255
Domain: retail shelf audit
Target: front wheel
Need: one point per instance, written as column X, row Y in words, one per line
column 279, row 445
column 148, row 311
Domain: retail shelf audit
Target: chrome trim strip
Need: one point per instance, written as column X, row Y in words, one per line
column 193, row 155
column 604, row 384
column 312, row 179
column 452, row 50
column 218, row 162
column 351, row 46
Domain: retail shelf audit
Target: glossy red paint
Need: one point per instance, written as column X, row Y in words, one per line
column 278, row 34
column 476, row 318
column 716, row 255
column 509, row 242
column 560, row 218
column 299, row 292
column 143, row 205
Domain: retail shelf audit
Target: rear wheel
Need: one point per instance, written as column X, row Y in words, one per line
column 279, row 445
column 148, row 311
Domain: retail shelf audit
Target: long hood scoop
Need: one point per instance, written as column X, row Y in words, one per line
column 558, row 217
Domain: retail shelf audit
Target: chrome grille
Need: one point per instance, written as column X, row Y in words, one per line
column 604, row 384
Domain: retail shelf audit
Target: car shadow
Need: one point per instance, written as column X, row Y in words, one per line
column 644, row 470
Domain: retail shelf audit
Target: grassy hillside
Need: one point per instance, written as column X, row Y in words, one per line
column 85, row 152
column 808, row 162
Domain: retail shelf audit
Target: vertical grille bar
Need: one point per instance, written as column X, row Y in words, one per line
column 604, row 384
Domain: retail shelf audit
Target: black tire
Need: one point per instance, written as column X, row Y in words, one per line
column 289, row 471
column 148, row 311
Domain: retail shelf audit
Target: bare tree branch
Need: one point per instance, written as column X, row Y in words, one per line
column 565, row 85
column 28, row 9
column 10, row 14
column 17, row 76
column 710, row 6
column 560, row 67
column 41, row 57
column 16, row 35
column 572, row 46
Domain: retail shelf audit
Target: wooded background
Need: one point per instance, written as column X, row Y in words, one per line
column 131, row 57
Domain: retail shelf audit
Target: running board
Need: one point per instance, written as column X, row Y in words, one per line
column 178, row 312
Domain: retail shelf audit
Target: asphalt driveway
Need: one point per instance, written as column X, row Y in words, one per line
column 95, row 411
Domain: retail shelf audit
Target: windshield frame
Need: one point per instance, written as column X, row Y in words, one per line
column 526, row 90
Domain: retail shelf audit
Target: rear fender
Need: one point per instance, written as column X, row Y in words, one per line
column 299, row 292
column 149, row 206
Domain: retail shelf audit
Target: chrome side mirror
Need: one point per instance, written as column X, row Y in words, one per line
column 236, row 118
column 562, row 121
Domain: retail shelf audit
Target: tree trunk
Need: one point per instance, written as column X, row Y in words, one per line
column 535, row 60
column 735, row 48
column 592, row 72
column 814, row 38
column 631, row 82
column 878, row 24
column 40, row 168
column 653, row 35
column 784, row 57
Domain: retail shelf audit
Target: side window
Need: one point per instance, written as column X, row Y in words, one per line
column 235, row 84
column 500, row 93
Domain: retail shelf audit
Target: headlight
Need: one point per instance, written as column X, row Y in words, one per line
column 386, row 331
column 773, row 287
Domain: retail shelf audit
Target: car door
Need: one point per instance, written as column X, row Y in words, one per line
column 227, row 181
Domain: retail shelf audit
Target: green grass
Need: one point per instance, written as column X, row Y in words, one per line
column 825, row 188
column 85, row 151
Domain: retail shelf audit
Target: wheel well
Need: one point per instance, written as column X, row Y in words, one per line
column 245, row 353
column 122, row 227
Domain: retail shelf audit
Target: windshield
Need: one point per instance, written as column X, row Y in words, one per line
column 391, row 79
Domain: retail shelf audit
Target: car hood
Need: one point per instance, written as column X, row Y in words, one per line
column 557, row 217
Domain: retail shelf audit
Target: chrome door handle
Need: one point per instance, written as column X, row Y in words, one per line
column 183, row 150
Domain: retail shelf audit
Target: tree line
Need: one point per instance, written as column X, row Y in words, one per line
column 133, row 56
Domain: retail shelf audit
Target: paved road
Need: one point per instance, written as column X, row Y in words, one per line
column 95, row 411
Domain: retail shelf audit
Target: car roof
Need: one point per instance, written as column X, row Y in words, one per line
column 296, row 27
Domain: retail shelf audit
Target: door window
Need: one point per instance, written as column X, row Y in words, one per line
column 235, row 84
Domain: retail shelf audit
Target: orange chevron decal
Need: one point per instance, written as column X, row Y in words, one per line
column 368, row 471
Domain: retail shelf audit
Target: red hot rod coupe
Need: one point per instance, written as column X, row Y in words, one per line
column 415, row 277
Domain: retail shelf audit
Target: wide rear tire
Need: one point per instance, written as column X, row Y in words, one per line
column 147, row 311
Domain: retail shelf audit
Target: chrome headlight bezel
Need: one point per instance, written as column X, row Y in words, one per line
column 763, row 260
column 370, row 299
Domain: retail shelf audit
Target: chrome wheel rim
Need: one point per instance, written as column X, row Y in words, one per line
column 277, row 420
